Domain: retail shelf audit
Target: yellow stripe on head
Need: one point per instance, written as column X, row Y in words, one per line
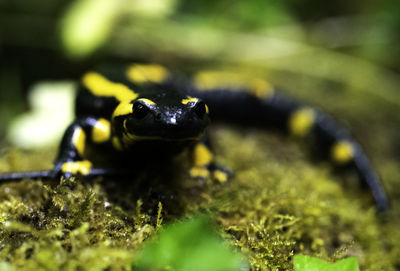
column 126, row 108
column 101, row 86
column 141, row 73
column 342, row 152
column 301, row 121
column 189, row 100
column 123, row 109
column 79, row 140
column 147, row 101
column 101, row 131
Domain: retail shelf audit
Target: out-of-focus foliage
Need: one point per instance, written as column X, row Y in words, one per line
column 87, row 25
column 306, row 263
column 340, row 55
column 51, row 111
column 239, row 15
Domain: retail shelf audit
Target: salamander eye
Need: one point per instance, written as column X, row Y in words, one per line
column 140, row 110
column 200, row 109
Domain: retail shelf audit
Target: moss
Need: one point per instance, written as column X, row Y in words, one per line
column 280, row 211
column 280, row 203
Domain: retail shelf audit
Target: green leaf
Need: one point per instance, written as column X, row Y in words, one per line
column 87, row 26
column 307, row 263
column 189, row 245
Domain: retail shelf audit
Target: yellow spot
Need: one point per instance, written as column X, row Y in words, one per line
column 196, row 172
column 207, row 110
column 202, row 155
column 220, row 176
column 147, row 101
column 101, row 131
column 122, row 109
column 101, row 86
column 189, row 100
column 301, row 121
column 81, row 167
column 140, row 73
column 210, row 80
column 342, row 152
column 79, row 140
column 261, row 88
column 116, row 143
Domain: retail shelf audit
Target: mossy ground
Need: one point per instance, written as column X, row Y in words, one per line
column 281, row 202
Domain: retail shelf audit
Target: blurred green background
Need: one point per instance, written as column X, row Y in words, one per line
column 351, row 43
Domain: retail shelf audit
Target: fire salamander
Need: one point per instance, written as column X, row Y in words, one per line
column 142, row 111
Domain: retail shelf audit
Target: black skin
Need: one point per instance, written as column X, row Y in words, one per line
column 168, row 127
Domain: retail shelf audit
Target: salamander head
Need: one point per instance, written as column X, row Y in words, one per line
column 144, row 119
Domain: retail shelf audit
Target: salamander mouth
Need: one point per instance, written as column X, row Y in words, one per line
column 160, row 147
column 131, row 138
column 189, row 131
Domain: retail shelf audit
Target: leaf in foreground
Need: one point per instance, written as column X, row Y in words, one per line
column 189, row 245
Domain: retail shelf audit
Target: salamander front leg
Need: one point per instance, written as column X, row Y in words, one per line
column 71, row 157
column 204, row 166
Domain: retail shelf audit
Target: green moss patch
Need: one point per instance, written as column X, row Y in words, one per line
column 280, row 203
